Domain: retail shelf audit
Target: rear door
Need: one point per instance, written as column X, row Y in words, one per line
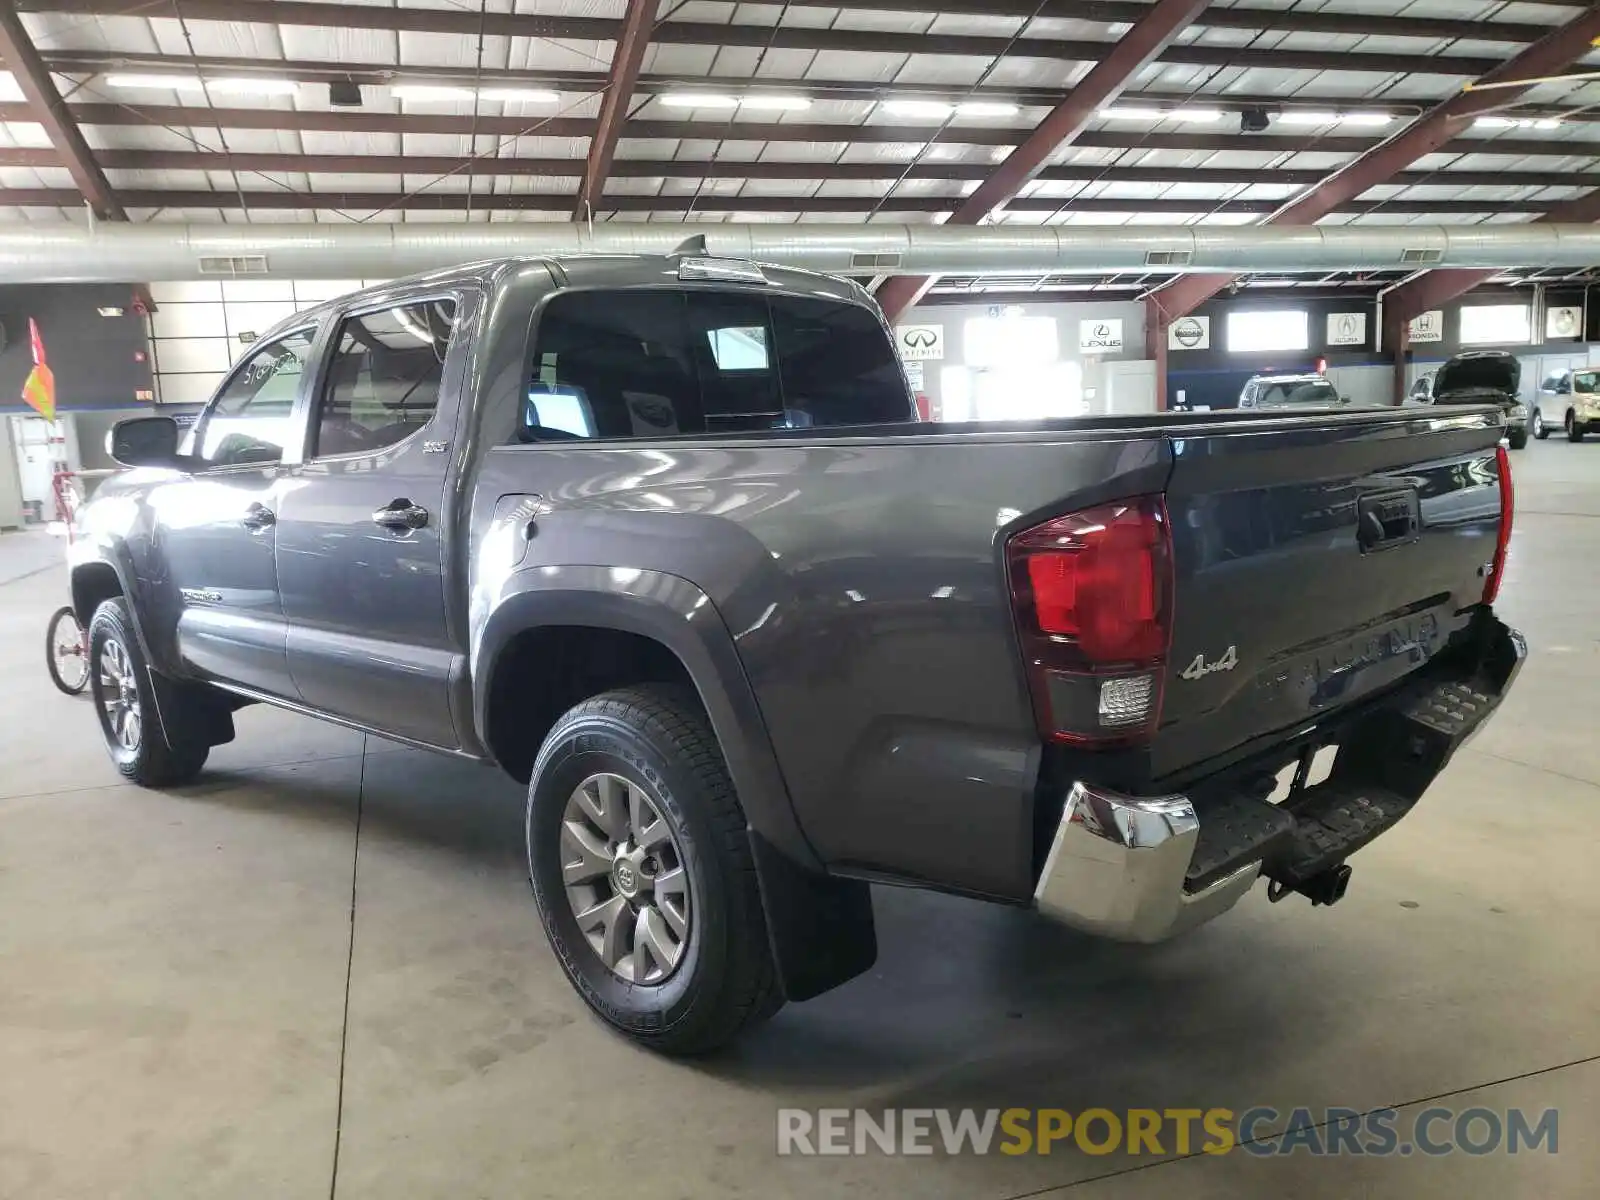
column 1317, row 561
column 363, row 523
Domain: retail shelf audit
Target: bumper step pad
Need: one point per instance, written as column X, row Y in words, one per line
column 1396, row 756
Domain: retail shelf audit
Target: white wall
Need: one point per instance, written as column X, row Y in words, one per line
column 194, row 332
column 1068, row 316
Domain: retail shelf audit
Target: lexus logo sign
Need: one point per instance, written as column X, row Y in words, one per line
column 1100, row 337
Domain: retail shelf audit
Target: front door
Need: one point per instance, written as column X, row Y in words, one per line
column 361, row 526
column 218, row 523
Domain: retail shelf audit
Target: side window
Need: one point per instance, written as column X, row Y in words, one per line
column 252, row 419
column 383, row 381
column 1552, row 382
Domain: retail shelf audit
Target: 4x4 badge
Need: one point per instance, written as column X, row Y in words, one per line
column 1200, row 668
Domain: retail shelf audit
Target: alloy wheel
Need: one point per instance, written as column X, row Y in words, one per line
column 119, row 695
column 1538, row 424
column 625, row 879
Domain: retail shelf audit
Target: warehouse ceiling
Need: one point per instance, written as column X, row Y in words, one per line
column 254, row 111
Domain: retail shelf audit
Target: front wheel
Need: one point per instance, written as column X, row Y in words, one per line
column 1518, row 438
column 642, row 872
column 1540, row 429
column 66, row 652
column 152, row 745
column 1574, row 429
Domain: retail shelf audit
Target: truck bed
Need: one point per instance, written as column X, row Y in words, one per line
column 860, row 573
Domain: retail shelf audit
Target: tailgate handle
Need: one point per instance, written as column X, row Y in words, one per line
column 1387, row 519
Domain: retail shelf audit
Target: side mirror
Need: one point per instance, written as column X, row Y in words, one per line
column 144, row 442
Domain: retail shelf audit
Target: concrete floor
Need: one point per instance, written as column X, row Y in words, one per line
column 223, row 991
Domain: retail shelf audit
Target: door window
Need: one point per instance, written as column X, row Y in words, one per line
column 384, row 379
column 252, row 418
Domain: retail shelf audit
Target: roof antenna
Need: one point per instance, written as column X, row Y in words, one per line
column 694, row 247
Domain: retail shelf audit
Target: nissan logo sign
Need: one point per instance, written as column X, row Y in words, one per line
column 1189, row 332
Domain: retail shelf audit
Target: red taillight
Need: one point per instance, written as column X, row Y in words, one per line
column 1092, row 593
column 1497, row 568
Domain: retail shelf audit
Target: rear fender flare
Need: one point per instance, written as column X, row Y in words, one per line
column 677, row 614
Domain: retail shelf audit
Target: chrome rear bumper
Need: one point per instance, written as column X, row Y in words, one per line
column 1117, row 864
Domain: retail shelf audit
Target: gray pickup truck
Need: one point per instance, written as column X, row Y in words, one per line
column 663, row 538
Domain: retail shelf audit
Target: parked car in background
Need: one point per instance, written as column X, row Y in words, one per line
column 1480, row 377
column 1298, row 391
column 1572, row 400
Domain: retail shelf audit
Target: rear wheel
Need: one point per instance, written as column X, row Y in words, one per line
column 67, row 652
column 152, row 745
column 1574, row 429
column 642, row 872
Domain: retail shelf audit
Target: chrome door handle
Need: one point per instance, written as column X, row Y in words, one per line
column 258, row 516
column 401, row 514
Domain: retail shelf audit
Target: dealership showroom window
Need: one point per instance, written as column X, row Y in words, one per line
column 984, row 599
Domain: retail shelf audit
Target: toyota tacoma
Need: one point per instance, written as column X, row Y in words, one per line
column 663, row 538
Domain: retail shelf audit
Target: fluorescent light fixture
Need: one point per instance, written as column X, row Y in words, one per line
column 698, row 100
column 430, row 91
column 1161, row 114
column 1300, row 116
column 776, row 103
column 109, row 310
column 1365, row 118
column 1517, row 123
column 931, row 110
column 246, row 86
column 985, row 108
column 528, row 95
column 172, row 83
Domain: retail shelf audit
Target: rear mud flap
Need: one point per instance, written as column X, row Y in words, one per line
column 820, row 927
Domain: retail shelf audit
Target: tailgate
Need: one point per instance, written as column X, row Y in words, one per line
column 1317, row 561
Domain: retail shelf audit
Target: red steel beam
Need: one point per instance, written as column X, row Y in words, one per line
column 626, row 60
column 45, row 105
column 321, row 14
column 1137, row 48
column 652, row 168
column 97, row 62
column 1431, row 132
column 362, row 121
column 798, row 205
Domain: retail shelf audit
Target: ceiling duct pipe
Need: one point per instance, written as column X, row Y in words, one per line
column 112, row 253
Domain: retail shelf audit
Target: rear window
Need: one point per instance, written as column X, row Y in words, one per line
column 654, row 363
column 1298, row 392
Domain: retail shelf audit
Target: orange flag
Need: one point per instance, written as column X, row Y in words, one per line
column 40, row 388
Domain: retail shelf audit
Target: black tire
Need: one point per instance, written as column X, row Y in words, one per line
column 169, row 745
column 1518, row 438
column 62, row 632
column 657, row 737
column 1574, row 429
column 1536, row 422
